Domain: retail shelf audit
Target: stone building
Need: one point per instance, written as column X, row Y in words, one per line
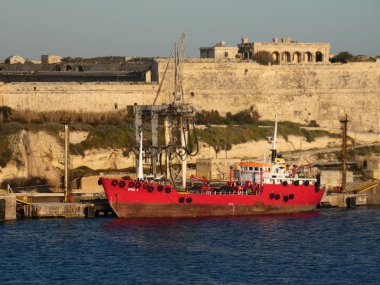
column 284, row 52
column 370, row 165
column 216, row 168
column 333, row 178
column 15, row 59
column 219, row 51
column 287, row 51
column 49, row 59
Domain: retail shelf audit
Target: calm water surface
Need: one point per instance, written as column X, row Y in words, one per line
column 329, row 247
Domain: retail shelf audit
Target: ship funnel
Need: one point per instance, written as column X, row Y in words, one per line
column 140, row 173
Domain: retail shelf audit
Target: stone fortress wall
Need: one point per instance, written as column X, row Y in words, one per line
column 296, row 92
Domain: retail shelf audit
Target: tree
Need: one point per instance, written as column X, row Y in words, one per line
column 263, row 57
column 343, row 57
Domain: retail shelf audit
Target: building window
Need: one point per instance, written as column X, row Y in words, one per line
column 276, row 57
column 308, row 57
column 318, row 56
column 297, row 57
column 226, row 54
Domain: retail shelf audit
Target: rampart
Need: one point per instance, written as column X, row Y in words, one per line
column 296, row 92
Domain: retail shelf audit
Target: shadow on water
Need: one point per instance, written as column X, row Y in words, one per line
column 172, row 221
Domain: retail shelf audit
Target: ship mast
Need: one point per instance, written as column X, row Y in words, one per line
column 140, row 172
column 274, row 142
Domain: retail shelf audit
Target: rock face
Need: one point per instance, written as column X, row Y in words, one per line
column 298, row 93
column 42, row 155
column 38, row 154
column 34, row 155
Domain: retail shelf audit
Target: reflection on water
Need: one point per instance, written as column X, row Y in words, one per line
column 331, row 246
column 164, row 221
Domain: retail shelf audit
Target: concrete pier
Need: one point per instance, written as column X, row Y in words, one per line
column 7, row 207
column 59, row 210
column 340, row 199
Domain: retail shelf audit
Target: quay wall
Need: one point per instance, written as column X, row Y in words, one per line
column 296, row 92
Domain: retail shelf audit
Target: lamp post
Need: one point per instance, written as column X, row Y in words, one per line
column 344, row 120
column 66, row 178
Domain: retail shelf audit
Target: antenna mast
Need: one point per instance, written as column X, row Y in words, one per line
column 274, row 142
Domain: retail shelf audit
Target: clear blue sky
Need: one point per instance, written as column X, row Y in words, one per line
column 89, row 28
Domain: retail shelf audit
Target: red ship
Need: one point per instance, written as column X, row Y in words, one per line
column 261, row 188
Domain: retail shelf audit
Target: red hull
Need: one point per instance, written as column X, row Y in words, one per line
column 129, row 200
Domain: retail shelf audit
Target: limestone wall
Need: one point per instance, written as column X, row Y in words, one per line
column 74, row 96
column 298, row 93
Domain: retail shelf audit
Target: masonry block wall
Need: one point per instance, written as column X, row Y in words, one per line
column 298, row 93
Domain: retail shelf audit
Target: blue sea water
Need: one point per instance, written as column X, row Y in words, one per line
column 333, row 246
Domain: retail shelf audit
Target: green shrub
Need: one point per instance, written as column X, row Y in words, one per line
column 343, row 57
column 248, row 116
column 263, row 57
column 6, row 113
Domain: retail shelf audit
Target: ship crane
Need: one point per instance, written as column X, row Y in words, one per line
column 173, row 123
